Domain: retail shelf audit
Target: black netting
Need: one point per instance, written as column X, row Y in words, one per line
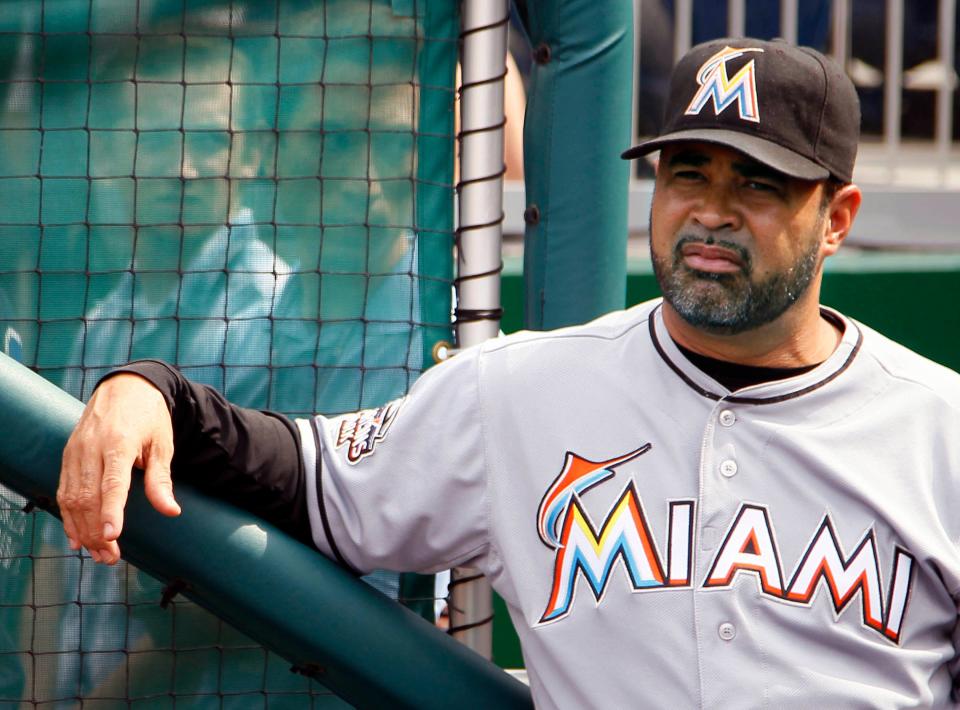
column 260, row 192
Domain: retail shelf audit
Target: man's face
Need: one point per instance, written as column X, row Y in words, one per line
column 734, row 243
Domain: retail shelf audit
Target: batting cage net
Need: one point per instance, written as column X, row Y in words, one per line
column 259, row 192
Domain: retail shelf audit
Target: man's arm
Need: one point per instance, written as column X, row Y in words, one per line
column 147, row 415
column 362, row 487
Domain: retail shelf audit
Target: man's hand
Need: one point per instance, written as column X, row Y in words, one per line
column 125, row 424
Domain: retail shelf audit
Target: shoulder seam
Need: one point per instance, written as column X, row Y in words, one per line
column 497, row 344
column 912, row 381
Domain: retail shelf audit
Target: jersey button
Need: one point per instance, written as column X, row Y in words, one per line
column 728, row 468
column 727, row 631
column 727, row 418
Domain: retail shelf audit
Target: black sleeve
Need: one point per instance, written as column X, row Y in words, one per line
column 245, row 456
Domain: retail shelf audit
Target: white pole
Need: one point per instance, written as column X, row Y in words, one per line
column 789, row 20
column 682, row 28
column 840, row 31
column 946, row 18
column 483, row 67
column 634, row 110
column 893, row 83
column 737, row 18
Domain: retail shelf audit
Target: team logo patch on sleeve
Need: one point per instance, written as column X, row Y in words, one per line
column 360, row 432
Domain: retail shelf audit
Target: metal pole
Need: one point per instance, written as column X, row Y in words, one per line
column 946, row 18
column 737, row 18
column 483, row 67
column 635, row 108
column 788, row 20
column 893, row 83
column 840, row 31
column 682, row 28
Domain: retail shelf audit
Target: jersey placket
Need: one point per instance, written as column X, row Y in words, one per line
column 724, row 639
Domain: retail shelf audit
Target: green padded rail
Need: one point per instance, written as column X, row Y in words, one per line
column 329, row 625
column 577, row 124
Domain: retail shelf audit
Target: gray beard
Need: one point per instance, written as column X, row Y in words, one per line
column 728, row 304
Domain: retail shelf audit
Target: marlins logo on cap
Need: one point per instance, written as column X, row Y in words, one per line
column 724, row 90
column 811, row 114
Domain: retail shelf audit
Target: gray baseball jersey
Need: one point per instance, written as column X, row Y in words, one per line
column 661, row 541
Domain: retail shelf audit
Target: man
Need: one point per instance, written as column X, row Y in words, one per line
column 733, row 497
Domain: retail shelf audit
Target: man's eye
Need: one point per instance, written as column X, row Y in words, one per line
column 688, row 175
column 762, row 186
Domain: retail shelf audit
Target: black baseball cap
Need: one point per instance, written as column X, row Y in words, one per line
column 788, row 107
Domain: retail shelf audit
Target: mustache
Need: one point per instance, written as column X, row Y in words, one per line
column 740, row 250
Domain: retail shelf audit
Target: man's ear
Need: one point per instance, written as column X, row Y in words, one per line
column 841, row 212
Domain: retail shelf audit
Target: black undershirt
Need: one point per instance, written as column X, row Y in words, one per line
column 735, row 376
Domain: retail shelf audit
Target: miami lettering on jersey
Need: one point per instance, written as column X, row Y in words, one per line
column 718, row 86
column 360, row 432
column 588, row 555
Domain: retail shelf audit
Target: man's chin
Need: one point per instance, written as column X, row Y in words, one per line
column 709, row 320
column 709, row 306
column 709, row 289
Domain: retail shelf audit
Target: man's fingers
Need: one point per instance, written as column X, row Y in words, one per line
column 114, row 487
column 82, row 498
column 158, row 482
column 109, row 554
column 64, row 499
column 73, row 538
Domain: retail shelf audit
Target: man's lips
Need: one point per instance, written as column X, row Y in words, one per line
column 711, row 258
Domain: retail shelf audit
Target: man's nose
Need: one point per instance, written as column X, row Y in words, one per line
column 718, row 209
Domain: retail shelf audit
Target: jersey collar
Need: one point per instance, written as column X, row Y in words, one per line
column 768, row 392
